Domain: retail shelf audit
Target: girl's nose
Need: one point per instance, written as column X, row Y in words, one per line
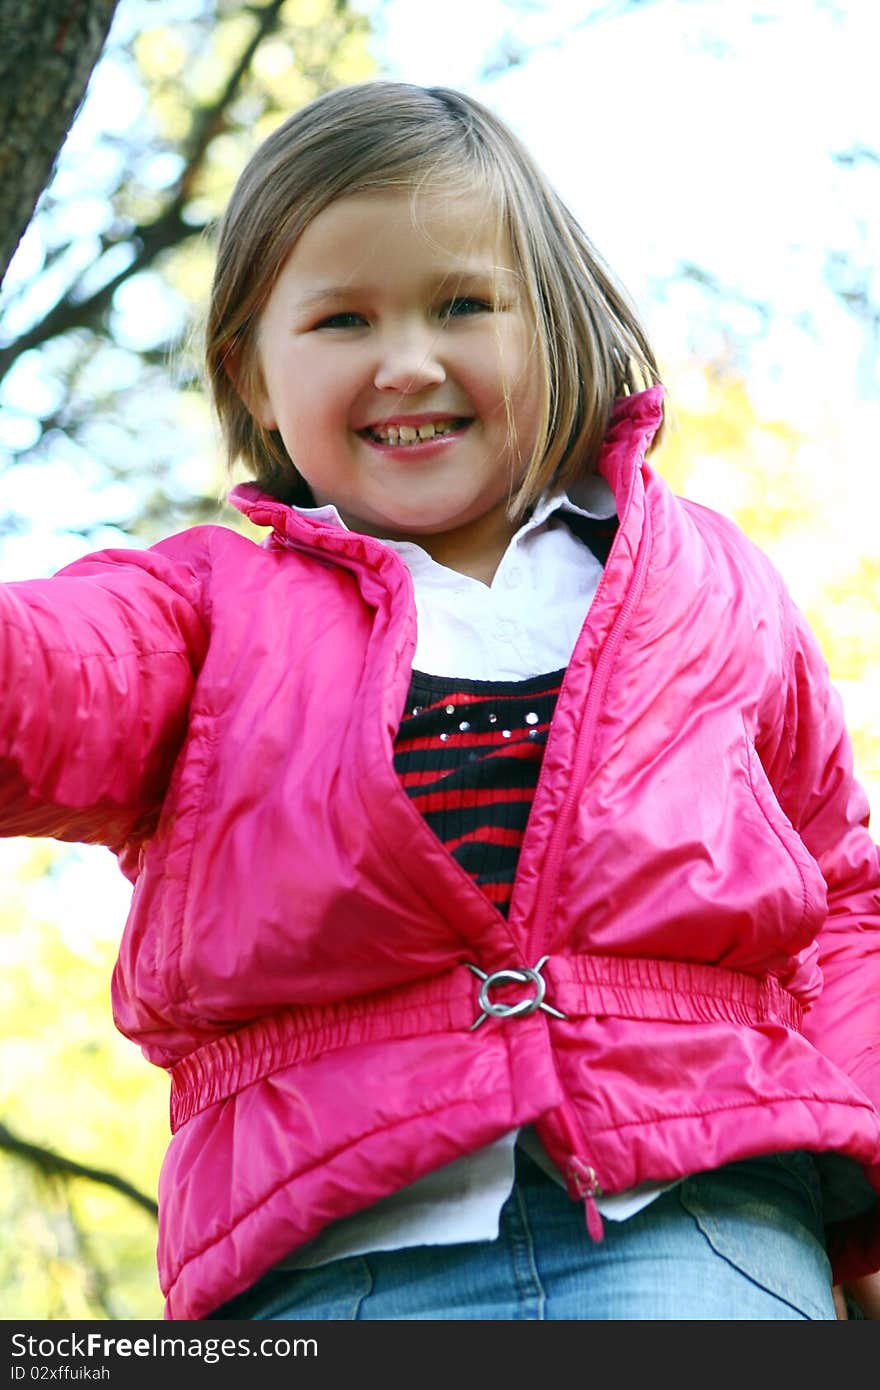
column 409, row 362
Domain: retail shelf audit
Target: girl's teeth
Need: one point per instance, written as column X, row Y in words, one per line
column 408, row 434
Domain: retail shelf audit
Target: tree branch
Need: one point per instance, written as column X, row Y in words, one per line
column 211, row 119
column 56, row 1165
column 149, row 240
column 69, row 313
column 47, row 52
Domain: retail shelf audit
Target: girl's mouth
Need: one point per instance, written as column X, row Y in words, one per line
column 395, row 436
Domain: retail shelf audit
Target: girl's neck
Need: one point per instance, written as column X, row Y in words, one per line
column 475, row 550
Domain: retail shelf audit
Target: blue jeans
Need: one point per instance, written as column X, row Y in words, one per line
column 743, row 1242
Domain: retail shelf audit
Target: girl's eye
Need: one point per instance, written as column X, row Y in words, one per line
column 344, row 320
column 465, row 306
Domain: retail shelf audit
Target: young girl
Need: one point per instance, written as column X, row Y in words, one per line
column 504, row 911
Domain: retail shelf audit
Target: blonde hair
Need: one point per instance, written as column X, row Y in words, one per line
column 589, row 345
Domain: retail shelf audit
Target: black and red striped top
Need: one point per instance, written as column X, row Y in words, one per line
column 468, row 754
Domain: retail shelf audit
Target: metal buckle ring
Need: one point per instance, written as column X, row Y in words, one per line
column 523, row 976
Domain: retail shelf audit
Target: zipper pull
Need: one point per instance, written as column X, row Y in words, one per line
column 582, row 1178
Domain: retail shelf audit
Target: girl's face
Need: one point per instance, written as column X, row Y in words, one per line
column 389, row 350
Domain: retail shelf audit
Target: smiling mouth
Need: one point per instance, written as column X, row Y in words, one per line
column 414, row 434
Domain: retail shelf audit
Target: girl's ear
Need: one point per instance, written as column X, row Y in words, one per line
column 249, row 386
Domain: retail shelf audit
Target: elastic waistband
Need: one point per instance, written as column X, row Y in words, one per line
column 569, row 988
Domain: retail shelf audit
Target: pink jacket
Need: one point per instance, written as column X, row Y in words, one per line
column 697, row 876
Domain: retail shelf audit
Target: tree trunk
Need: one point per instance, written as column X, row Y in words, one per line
column 47, row 51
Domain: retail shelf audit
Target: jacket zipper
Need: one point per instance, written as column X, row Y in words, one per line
column 583, row 1185
column 583, row 1181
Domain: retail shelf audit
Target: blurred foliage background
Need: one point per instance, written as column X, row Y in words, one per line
column 105, row 439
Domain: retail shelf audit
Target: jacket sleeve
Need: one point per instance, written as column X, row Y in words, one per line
column 812, row 772
column 97, row 666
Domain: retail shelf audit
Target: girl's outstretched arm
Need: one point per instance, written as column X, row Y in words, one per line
column 97, row 666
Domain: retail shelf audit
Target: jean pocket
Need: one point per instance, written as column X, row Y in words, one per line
column 764, row 1217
